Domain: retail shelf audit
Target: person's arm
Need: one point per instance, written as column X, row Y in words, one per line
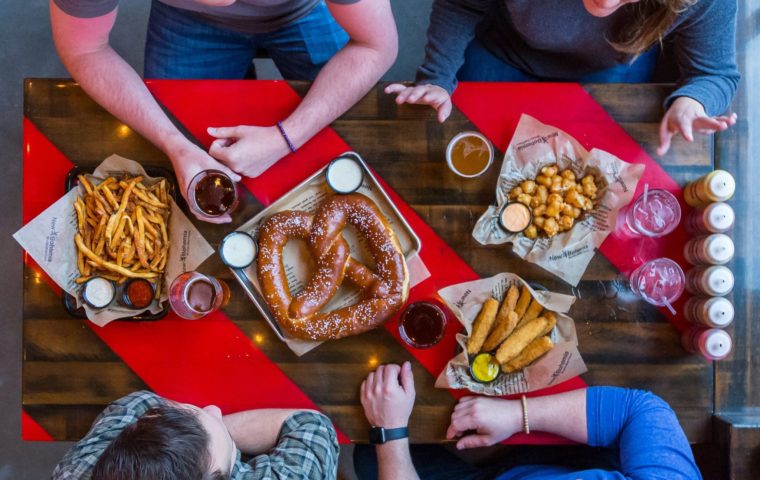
column 305, row 444
column 645, row 430
column 256, row 431
column 492, row 420
column 641, row 425
column 387, row 396
column 706, row 56
column 343, row 81
column 83, row 47
column 452, row 28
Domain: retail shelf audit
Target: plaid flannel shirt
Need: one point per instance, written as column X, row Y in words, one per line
column 307, row 447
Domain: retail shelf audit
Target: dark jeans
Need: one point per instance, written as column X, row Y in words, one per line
column 480, row 65
column 435, row 462
column 180, row 45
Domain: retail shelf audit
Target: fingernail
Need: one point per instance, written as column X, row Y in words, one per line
column 211, row 130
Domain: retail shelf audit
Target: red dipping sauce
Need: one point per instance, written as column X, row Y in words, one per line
column 138, row 293
column 422, row 324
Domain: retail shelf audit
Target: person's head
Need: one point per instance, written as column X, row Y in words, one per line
column 180, row 442
column 645, row 23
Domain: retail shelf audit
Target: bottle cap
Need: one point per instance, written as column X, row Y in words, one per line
column 717, row 344
column 720, row 311
column 720, row 280
column 719, row 216
column 720, row 248
column 722, row 185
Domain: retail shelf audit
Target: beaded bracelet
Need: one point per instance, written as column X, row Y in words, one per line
column 526, row 424
column 285, row 136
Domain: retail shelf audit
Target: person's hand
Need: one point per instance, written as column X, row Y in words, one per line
column 491, row 419
column 248, row 150
column 188, row 161
column 388, row 396
column 685, row 116
column 432, row 95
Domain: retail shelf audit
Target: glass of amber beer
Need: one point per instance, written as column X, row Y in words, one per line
column 212, row 193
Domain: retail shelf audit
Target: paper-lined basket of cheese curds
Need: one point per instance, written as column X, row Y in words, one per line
column 573, row 196
column 517, row 339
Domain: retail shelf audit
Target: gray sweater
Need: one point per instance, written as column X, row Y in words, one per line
column 560, row 40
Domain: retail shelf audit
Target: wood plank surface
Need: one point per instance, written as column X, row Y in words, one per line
column 70, row 375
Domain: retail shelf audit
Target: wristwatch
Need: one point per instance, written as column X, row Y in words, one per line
column 380, row 435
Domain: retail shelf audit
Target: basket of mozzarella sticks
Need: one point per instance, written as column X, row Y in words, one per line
column 517, row 339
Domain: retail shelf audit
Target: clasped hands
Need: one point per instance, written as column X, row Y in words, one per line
column 387, row 396
column 685, row 115
column 237, row 151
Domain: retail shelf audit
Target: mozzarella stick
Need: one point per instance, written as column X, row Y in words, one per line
column 522, row 303
column 533, row 351
column 500, row 332
column 552, row 318
column 533, row 311
column 503, row 321
column 482, row 326
column 521, row 338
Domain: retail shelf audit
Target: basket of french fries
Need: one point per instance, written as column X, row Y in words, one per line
column 556, row 202
column 517, row 339
column 114, row 242
column 122, row 235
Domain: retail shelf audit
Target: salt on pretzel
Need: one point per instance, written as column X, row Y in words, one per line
column 384, row 291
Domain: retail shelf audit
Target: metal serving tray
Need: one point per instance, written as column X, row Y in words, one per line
column 307, row 196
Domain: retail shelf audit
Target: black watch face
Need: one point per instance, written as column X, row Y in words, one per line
column 376, row 435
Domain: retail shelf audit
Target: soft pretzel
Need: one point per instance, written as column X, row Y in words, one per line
column 384, row 290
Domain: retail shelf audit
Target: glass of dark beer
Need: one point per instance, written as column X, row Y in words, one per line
column 212, row 193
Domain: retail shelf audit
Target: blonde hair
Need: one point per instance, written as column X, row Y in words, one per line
column 647, row 23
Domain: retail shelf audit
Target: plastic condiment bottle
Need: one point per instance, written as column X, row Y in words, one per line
column 710, row 281
column 716, row 186
column 715, row 249
column 711, row 343
column 717, row 217
column 715, row 312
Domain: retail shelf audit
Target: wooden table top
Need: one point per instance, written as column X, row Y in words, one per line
column 69, row 374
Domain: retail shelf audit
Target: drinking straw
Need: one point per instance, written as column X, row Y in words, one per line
column 646, row 192
column 670, row 307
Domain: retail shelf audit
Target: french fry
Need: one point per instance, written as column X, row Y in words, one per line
column 140, row 239
column 482, row 325
column 533, row 311
column 108, row 265
column 521, row 338
column 522, row 303
column 500, row 332
column 80, row 262
column 149, row 198
column 532, row 352
column 85, row 183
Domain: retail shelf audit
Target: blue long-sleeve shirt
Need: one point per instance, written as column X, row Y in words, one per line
column 560, row 40
column 641, row 426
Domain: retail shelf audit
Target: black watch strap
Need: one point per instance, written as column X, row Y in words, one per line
column 380, row 435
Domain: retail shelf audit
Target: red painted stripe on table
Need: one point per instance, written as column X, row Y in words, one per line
column 31, row 431
column 250, row 103
column 41, row 182
column 203, row 362
column 569, row 107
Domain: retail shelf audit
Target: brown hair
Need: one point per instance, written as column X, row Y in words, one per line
column 165, row 443
column 646, row 24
